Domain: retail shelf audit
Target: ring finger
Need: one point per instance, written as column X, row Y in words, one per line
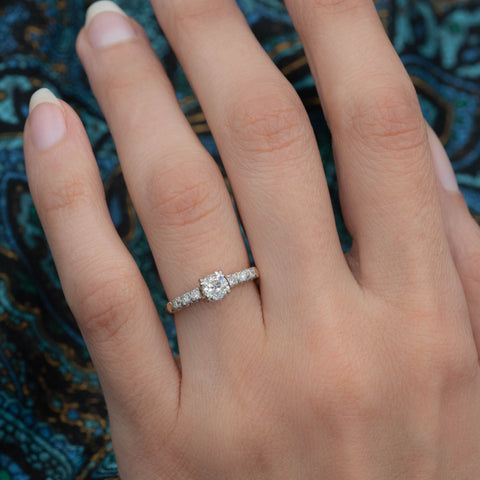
column 270, row 153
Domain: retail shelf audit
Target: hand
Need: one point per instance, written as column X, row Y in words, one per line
column 362, row 366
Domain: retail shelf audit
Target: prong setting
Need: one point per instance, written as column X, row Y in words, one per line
column 212, row 288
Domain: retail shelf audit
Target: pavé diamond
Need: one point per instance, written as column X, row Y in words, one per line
column 195, row 295
column 215, row 286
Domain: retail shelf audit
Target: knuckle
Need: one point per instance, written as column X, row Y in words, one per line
column 452, row 361
column 388, row 120
column 69, row 194
column 348, row 388
column 269, row 123
column 439, row 355
column 126, row 84
column 104, row 308
column 183, row 197
column 355, row 395
column 258, row 445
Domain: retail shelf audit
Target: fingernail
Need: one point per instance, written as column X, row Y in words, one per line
column 107, row 24
column 46, row 119
column 443, row 166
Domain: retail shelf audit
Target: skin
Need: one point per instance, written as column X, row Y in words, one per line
column 362, row 366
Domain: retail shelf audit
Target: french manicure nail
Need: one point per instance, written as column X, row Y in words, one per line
column 107, row 24
column 443, row 166
column 46, row 119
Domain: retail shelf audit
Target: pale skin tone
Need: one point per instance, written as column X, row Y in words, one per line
column 362, row 366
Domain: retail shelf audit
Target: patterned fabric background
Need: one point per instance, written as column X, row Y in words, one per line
column 52, row 417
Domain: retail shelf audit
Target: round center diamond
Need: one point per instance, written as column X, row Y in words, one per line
column 215, row 286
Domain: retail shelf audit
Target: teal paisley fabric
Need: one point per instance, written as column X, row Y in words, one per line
column 52, row 416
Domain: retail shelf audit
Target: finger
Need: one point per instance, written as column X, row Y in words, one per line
column 462, row 231
column 268, row 148
column 385, row 174
column 176, row 187
column 101, row 281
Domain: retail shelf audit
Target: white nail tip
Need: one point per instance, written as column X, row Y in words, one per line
column 102, row 6
column 44, row 95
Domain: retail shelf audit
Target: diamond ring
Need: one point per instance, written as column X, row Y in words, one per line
column 212, row 288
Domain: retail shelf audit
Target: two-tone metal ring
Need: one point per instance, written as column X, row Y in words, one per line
column 212, row 288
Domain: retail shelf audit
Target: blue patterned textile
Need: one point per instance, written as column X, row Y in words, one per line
column 52, row 414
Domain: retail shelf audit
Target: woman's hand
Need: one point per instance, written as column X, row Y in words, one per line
column 362, row 366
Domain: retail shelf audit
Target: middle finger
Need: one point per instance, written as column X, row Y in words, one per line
column 176, row 187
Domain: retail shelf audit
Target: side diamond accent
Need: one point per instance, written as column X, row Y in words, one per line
column 242, row 276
